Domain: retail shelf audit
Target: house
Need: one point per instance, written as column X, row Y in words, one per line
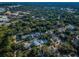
column 75, row 40
column 38, row 42
column 27, row 45
column 15, row 14
column 70, row 27
column 8, row 13
column 4, row 18
column 77, row 37
column 70, row 10
column 2, row 9
column 62, row 29
column 36, row 34
column 28, row 36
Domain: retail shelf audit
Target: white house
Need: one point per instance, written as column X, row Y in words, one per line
column 71, row 27
column 27, row 45
column 4, row 19
column 2, row 9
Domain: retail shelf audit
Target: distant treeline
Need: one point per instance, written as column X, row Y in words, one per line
column 57, row 4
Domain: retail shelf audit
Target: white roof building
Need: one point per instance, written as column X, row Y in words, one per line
column 27, row 45
column 3, row 18
column 2, row 9
column 70, row 27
